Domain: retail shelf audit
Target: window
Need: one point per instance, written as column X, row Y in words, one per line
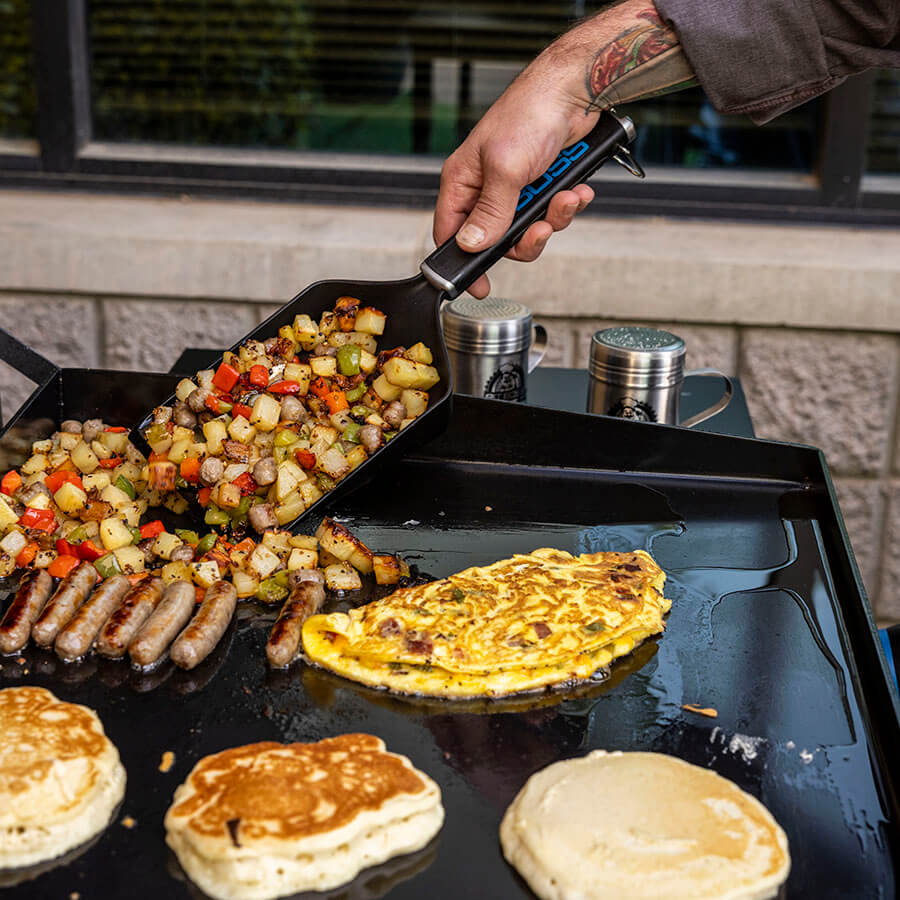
column 359, row 100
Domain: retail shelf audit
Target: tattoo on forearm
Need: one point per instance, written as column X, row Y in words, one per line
column 645, row 60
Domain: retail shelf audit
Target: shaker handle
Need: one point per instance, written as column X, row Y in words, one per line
column 718, row 406
column 538, row 348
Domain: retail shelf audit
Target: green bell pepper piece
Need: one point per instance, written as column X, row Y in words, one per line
column 215, row 516
column 135, row 534
column 123, row 484
column 77, row 535
column 348, row 358
column 205, row 544
column 355, row 393
column 156, row 433
column 360, row 412
column 107, row 565
column 351, row 433
column 189, row 537
column 325, row 482
column 284, row 438
column 242, row 508
column 271, row 590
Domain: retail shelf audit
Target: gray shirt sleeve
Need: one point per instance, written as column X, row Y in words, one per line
column 764, row 57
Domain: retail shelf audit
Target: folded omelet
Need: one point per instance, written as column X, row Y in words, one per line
column 532, row 621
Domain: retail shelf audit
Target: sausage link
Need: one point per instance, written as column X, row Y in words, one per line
column 64, row 604
column 164, row 624
column 15, row 629
column 304, row 601
column 124, row 623
column 202, row 634
column 76, row 638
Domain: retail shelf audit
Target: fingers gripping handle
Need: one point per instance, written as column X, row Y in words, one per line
column 452, row 269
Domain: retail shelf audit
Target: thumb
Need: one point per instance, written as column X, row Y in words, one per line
column 494, row 209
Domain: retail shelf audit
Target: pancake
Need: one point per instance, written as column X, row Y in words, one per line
column 268, row 819
column 639, row 826
column 528, row 622
column 60, row 776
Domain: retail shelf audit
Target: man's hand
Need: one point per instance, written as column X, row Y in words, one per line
column 621, row 54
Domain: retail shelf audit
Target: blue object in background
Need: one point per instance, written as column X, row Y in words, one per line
column 889, row 637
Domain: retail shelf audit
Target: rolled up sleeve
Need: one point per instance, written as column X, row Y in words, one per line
column 764, row 57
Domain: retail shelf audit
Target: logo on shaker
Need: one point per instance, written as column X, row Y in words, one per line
column 507, row 383
column 630, row 408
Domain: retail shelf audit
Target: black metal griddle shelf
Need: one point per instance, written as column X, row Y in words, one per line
column 769, row 625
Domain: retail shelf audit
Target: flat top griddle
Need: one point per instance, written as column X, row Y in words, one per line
column 769, row 626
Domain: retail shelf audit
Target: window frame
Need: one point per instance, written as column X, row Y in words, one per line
column 837, row 191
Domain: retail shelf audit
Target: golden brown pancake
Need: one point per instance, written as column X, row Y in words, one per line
column 269, row 819
column 534, row 620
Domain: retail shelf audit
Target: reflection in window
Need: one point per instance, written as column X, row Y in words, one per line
column 883, row 151
column 17, row 95
column 391, row 76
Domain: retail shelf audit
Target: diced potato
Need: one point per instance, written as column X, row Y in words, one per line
column 244, row 583
column 7, row 565
column 115, row 496
column 38, row 463
column 165, row 544
column 408, row 374
column 102, row 451
column 388, row 569
column 290, row 509
column 180, row 433
column 197, row 450
column 326, row 366
column 128, row 470
column 131, row 513
column 341, row 419
column 215, row 432
column 176, row 571
column 420, row 353
column 175, row 502
column 162, row 445
column 229, row 496
column 287, row 481
column 416, row 402
column 387, row 391
column 263, row 561
column 306, row 332
column 300, row 559
column 70, row 498
column 179, row 450
column 301, row 373
column 44, row 558
column 361, row 560
column 68, row 441
column 370, row 320
column 327, row 323
column 240, row 429
column 96, row 481
column 114, row 534
column 324, row 433
column 405, row 424
column 367, row 362
column 304, row 541
column 44, row 446
column 375, row 419
column 184, row 389
column 277, row 541
column 206, row 573
column 338, row 540
column 367, row 342
column 59, row 459
column 310, row 492
column 286, row 333
column 205, row 378
column 13, row 543
column 234, row 470
column 266, row 412
column 342, row 577
column 356, row 457
column 116, row 441
column 131, row 559
column 333, row 462
column 40, row 501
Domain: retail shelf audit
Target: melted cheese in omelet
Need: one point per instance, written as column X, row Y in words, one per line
column 523, row 623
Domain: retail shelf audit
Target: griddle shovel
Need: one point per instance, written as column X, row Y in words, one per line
column 412, row 305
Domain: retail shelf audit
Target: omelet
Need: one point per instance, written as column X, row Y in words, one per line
column 532, row 621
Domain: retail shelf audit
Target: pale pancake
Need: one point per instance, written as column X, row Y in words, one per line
column 640, row 826
column 269, row 819
column 60, row 776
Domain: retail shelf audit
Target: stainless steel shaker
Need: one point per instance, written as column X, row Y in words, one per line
column 637, row 373
column 493, row 345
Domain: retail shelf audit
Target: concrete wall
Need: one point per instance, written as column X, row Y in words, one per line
column 808, row 317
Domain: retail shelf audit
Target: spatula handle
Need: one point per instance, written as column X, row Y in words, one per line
column 452, row 269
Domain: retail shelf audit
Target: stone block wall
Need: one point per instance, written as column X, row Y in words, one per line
column 808, row 318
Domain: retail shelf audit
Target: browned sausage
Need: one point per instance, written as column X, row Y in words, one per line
column 76, row 638
column 15, row 629
column 64, row 604
column 196, row 642
column 164, row 624
column 124, row 623
column 304, row 601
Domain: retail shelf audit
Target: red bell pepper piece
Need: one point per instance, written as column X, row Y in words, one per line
column 203, row 496
column 212, row 404
column 112, row 462
column 284, row 387
column 10, row 483
column 306, row 458
column 57, row 479
column 115, row 429
column 65, row 548
column 26, row 554
column 247, row 545
column 152, row 529
column 337, row 401
column 241, row 409
column 247, row 484
column 226, row 377
column 90, row 552
column 319, row 387
column 259, row 376
column 190, row 469
column 39, row 519
column 62, row 565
